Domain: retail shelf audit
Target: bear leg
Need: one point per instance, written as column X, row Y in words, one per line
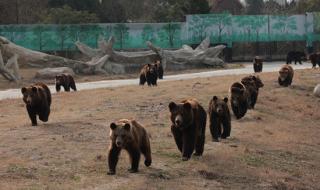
column 188, row 143
column 58, row 87
column 177, row 134
column 215, row 128
column 134, row 153
column 226, row 123
column 142, row 79
column 146, row 151
column 32, row 116
column 113, row 158
column 66, row 88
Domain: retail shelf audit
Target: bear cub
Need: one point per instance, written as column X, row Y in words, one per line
column 149, row 74
column 66, row 81
column 220, row 119
column 188, row 127
column 240, row 99
column 131, row 136
column 37, row 98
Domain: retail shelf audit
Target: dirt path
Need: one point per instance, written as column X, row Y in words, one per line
column 268, row 67
column 275, row 146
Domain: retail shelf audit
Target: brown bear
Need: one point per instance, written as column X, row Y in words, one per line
column 296, row 56
column 37, row 98
column 315, row 59
column 257, row 64
column 285, row 75
column 188, row 127
column 160, row 69
column 149, row 74
column 220, row 119
column 253, row 84
column 240, row 99
column 66, row 81
column 131, row 136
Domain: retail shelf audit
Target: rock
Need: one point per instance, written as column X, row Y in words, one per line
column 50, row 73
column 316, row 91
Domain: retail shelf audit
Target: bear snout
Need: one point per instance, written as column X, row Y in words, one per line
column 118, row 143
column 178, row 120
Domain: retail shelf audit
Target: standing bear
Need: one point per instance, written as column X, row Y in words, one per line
column 315, row 59
column 160, row 69
column 253, row 84
column 257, row 64
column 285, row 75
column 66, row 81
column 188, row 127
column 220, row 119
column 240, row 99
column 37, row 98
column 131, row 136
column 149, row 74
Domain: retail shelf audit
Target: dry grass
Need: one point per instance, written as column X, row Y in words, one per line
column 275, row 146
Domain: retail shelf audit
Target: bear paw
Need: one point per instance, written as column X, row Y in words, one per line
column 133, row 170
column 111, row 172
column 197, row 154
column 185, row 158
column 215, row 140
column 147, row 163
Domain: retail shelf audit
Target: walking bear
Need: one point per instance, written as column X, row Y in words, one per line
column 240, row 99
column 66, row 81
column 149, row 74
column 37, row 98
column 315, row 59
column 296, row 56
column 252, row 84
column 131, row 136
column 220, row 119
column 257, row 64
column 285, row 75
column 188, row 127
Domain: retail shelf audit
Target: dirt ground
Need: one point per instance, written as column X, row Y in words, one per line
column 275, row 146
column 28, row 76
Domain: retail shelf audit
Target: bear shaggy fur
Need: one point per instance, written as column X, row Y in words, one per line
column 295, row 56
column 240, row 99
column 149, row 74
column 160, row 69
column 66, row 81
column 285, row 75
column 220, row 119
column 188, row 127
column 131, row 136
column 253, row 84
column 315, row 59
column 37, row 98
column 257, row 64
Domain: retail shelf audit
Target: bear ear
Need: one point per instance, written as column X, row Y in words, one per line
column 225, row 100
column 254, row 77
column 23, row 90
column 187, row 106
column 127, row 126
column 113, row 126
column 172, row 106
column 214, row 98
column 149, row 65
column 34, row 89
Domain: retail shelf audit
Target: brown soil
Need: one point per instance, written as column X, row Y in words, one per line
column 28, row 74
column 275, row 146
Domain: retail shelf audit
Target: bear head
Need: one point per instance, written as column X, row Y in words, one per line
column 30, row 95
column 181, row 114
column 120, row 134
column 152, row 68
column 284, row 73
column 219, row 106
column 60, row 79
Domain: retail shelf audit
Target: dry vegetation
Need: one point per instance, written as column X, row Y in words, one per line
column 275, row 146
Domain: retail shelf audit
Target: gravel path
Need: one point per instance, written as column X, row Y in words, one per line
column 267, row 67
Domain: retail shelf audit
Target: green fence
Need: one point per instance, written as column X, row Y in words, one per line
column 221, row 28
